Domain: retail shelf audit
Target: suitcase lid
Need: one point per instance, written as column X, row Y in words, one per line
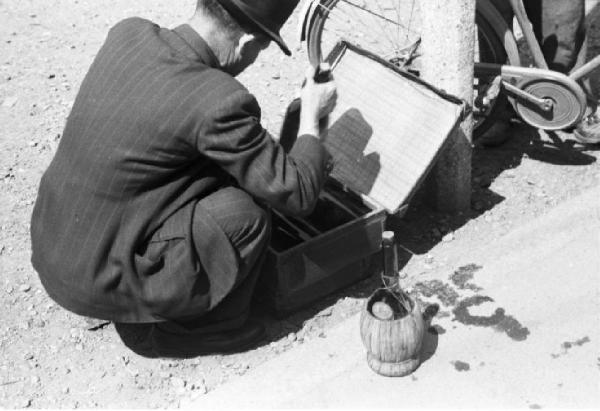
column 387, row 129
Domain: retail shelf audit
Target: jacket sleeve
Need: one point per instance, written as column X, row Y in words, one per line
column 232, row 137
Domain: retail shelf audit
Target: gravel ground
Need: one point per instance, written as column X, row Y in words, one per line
column 53, row 359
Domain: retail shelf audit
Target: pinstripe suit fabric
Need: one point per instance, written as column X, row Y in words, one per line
column 156, row 127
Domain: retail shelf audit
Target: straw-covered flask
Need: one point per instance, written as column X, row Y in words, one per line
column 391, row 323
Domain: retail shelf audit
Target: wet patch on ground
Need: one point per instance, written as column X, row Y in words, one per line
column 567, row 345
column 579, row 342
column 443, row 314
column 513, row 328
column 499, row 320
column 448, row 295
column 461, row 366
column 436, row 288
column 463, row 276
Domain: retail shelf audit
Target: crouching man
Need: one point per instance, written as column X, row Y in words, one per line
column 154, row 211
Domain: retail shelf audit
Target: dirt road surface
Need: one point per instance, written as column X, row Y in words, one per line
column 51, row 358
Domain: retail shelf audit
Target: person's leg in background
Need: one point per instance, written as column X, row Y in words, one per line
column 561, row 30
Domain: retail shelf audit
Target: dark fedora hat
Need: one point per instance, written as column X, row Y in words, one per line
column 267, row 16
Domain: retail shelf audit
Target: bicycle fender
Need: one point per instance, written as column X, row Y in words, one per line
column 306, row 16
column 493, row 16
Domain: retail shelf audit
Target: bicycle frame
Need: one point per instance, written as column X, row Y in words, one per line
column 482, row 69
column 516, row 79
column 522, row 74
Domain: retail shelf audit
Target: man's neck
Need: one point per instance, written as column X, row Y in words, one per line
column 205, row 29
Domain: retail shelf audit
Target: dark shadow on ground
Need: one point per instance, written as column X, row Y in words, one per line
column 432, row 332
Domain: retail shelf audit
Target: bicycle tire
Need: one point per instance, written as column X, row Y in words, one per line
column 498, row 48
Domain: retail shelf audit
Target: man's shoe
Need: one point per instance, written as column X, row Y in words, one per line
column 588, row 130
column 166, row 343
column 137, row 337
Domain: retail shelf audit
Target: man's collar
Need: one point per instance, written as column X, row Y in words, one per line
column 197, row 44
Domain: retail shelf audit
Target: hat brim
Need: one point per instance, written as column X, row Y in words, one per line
column 276, row 38
column 245, row 17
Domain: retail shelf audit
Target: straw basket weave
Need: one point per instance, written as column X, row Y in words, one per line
column 393, row 346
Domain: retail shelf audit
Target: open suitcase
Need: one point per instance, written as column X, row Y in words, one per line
column 384, row 135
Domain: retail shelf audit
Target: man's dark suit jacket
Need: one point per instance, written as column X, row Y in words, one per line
column 155, row 127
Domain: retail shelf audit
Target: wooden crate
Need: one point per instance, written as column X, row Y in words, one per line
column 300, row 269
column 384, row 135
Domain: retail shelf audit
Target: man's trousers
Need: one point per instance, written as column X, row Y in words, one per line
column 247, row 227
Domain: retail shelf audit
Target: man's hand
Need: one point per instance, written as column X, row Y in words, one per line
column 318, row 101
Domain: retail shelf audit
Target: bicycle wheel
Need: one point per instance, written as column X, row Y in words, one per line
column 392, row 30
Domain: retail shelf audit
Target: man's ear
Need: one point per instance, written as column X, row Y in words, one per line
column 253, row 41
column 246, row 39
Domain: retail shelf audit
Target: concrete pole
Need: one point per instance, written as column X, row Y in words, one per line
column 448, row 44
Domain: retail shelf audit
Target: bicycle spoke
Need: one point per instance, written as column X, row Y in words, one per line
column 335, row 14
column 354, row 17
column 331, row 13
column 372, row 13
column 375, row 27
column 356, row 6
column 398, row 19
column 412, row 10
column 382, row 27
